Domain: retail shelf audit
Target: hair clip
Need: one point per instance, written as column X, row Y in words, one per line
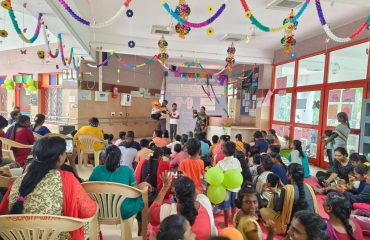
column 21, row 199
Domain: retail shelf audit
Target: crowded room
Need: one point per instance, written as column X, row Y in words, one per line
column 185, row 120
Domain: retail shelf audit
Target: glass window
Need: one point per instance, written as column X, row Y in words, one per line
column 53, row 104
column 282, row 106
column 308, row 107
column 309, row 138
column 281, row 130
column 284, row 75
column 311, row 70
column 349, row 63
column 348, row 101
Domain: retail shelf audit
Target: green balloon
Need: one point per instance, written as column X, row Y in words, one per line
column 214, row 176
column 216, row 194
column 30, row 82
column 9, row 88
column 232, row 179
column 8, row 82
column 32, row 89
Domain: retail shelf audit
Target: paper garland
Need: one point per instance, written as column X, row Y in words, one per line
column 330, row 33
column 7, row 4
column 109, row 22
column 191, row 24
column 259, row 25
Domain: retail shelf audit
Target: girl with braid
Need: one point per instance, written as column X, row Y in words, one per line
column 294, row 197
column 340, row 226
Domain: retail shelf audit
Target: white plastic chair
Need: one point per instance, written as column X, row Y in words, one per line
column 109, row 197
column 7, row 146
column 86, row 146
column 36, row 227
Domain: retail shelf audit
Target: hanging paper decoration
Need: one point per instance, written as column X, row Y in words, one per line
column 182, row 10
column 129, row 13
column 210, row 31
column 41, row 54
column 210, row 9
column 108, row 22
column 259, row 25
column 131, row 44
column 3, row 33
column 288, row 40
column 8, row 6
column 190, row 24
column 162, row 56
column 329, row 32
column 230, row 60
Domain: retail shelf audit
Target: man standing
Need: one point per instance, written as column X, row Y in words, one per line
column 161, row 123
column 174, row 116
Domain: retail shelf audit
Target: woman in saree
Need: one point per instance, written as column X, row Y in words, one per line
column 44, row 189
column 294, row 197
column 201, row 123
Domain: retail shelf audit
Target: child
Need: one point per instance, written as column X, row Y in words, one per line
column 279, row 168
column 358, row 159
column 255, row 165
column 298, row 156
column 229, row 163
column 260, row 142
column 329, row 147
column 239, row 143
column 272, row 190
column 122, row 137
column 174, row 117
column 215, row 139
column 194, row 166
column 265, row 170
column 246, row 219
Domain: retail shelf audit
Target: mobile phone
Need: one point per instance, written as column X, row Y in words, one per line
column 69, row 145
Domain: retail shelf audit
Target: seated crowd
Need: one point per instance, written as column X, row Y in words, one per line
column 276, row 197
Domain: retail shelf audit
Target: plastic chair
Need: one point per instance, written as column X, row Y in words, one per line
column 109, row 197
column 86, row 146
column 5, row 182
column 7, row 146
column 55, row 135
column 35, row 227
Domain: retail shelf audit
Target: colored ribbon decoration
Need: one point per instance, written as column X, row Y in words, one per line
column 259, row 25
column 330, row 33
column 18, row 30
column 85, row 22
column 191, row 24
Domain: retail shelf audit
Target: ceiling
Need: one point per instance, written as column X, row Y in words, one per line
column 197, row 45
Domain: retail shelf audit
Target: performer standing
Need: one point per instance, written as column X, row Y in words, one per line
column 201, row 123
column 174, row 116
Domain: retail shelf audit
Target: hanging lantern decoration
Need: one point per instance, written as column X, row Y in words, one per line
column 288, row 41
column 3, row 33
column 230, row 60
column 41, row 54
column 183, row 10
column 162, row 55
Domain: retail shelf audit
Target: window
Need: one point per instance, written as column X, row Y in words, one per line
column 282, row 106
column 308, row 107
column 53, row 103
column 284, row 75
column 348, row 101
column 309, row 138
column 349, row 63
column 311, row 70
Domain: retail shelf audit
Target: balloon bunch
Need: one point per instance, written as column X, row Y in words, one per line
column 230, row 60
column 220, row 181
column 9, row 84
column 182, row 10
column 288, row 40
column 30, row 85
column 162, row 44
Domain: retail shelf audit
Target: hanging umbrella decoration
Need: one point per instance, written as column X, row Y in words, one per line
column 162, row 55
column 183, row 10
column 288, row 40
column 230, row 60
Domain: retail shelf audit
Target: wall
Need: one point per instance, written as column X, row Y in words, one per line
column 318, row 43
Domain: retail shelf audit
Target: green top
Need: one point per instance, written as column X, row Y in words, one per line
column 123, row 175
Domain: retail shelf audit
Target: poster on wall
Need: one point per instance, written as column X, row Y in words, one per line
column 334, row 95
column 332, row 111
column 249, row 94
column 84, row 95
column 348, row 95
column 189, row 94
column 347, row 108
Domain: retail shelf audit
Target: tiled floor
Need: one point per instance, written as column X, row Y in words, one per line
column 114, row 232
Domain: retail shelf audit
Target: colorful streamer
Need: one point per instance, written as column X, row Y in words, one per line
column 330, row 33
column 16, row 25
column 46, row 39
column 85, row 22
column 259, row 25
column 191, row 24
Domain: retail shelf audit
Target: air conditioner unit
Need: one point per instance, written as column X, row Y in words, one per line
column 231, row 37
column 284, row 4
column 162, row 30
